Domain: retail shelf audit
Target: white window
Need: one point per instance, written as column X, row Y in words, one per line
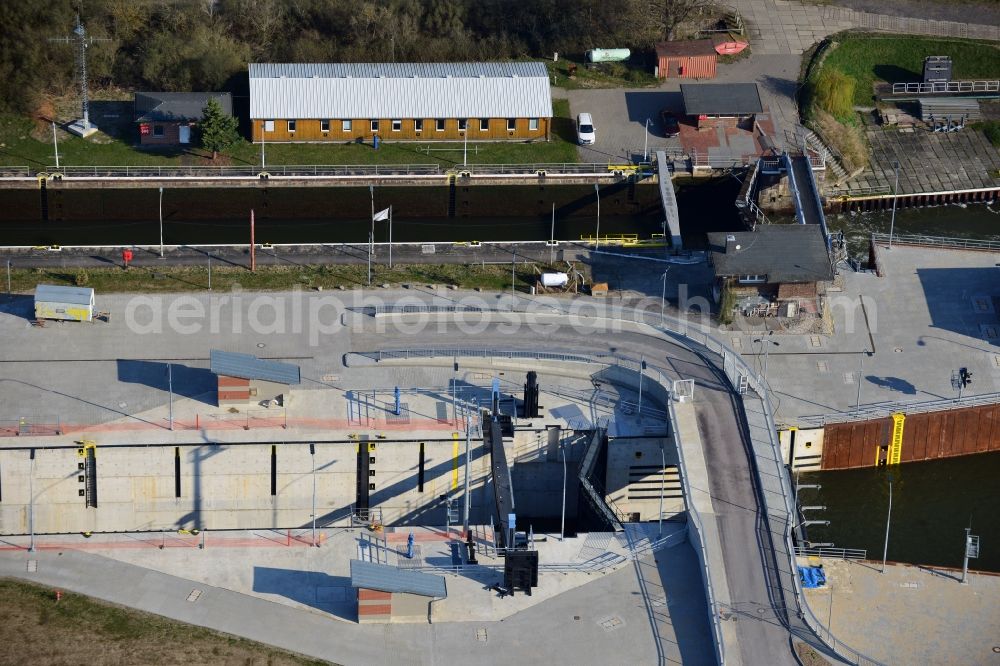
column 157, row 130
column 484, row 124
column 533, row 124
column 374, row 126
column 291, row 127
column 439, row 124
column 418, row 125
column 752, row 279
column 511, row 124
column 324, row 125
column 345, row 125
column 268, row 125
column 462, row 124
column 397, row 125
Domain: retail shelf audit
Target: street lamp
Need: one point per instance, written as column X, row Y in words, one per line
column 312, row 455
column 888, row 517
column 645, row 142
column 597, row 238
column 895, row 195
column 562, row 525
column 766, row 340
column 663, row 296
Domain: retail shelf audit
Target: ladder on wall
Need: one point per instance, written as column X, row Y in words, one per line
column 896, row 447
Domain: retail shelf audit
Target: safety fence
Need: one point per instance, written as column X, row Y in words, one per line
column 946, row 87
column 779, row 510
column 832, row 553
column 52, row 426
column 280, row 170
column 937, row 241
column 910, row 25
column 885, row 410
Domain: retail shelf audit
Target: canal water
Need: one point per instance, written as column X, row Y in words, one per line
column 978, row 221
column 195, row 216
column 932, row 504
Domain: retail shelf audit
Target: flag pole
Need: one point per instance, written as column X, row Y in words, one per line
column 390, row 235
column 371, row 234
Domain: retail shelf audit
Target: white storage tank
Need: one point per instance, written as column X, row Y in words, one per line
column 68, row 303
column 608, row 55
column 554, row 279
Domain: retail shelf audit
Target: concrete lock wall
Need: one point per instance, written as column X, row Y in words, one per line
column 227, row 486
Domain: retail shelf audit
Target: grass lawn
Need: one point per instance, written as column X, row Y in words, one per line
column 489, row 277
column 869, row 58
column 80, row 630
column 606, row 75
column 18, row 147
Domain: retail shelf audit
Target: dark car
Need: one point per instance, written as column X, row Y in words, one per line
column 671, row 126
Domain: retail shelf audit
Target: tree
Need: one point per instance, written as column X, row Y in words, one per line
column 674, row 12
column 217, row 130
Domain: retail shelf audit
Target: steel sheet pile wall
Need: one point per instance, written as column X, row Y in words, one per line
column 926, row 436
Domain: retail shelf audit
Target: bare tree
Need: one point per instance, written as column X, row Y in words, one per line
column 674, row 12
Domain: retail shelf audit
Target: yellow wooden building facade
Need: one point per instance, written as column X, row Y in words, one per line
column 343, row 102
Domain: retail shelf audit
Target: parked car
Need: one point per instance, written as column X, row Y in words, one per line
column 585, row 134
column 671, row 126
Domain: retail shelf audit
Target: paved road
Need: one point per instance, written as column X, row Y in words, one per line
column 748, row 553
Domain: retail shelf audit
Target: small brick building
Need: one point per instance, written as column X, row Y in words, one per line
column 244, row 378
column 714, row 105
column 168, row 119
column 391, row 594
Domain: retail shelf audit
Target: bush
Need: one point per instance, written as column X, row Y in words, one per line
column 616, row 69
column 833, row 91
column 847, row 140
column 81, row 279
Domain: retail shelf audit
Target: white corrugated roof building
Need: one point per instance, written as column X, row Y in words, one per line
column 400, row 90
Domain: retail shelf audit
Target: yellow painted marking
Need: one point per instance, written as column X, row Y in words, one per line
column 454, row 460
column 878, row 452
column 896, row 450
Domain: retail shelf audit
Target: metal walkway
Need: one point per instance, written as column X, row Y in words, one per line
column 669, row 199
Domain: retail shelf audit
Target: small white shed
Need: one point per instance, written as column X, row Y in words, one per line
column 67, row 303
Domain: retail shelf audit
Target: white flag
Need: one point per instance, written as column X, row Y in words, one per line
column 381, row 215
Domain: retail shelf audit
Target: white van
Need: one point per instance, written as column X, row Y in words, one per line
column 585, row 135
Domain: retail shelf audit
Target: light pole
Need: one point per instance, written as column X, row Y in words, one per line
column 888, row 517
column 513, row 264
column 645, row 141
column 642, row 367
column 467, row 500
column 8, row 279
column 597, row 239
column 31, row 501
column 210, row 271
column 562, row 525
column 663, row 474
column 663, row 297
column 161, row 223
column 861, row 369
column 170, row 387
column 312, row 455
column 895, row 193
column 55, row 143
column 767, row 341
column 371, row 234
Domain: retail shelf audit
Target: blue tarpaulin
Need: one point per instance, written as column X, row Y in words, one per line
column 812, row 577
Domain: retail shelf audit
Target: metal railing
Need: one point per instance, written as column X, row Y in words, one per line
column 910, row 25
column 16, row 172
column 698, row 542
column 885, row 410
column 946, row 87
column 564, row 168
column 272, row 170
column 737, row 371
column 832, row 553
column 938, row 241
column 848, row 192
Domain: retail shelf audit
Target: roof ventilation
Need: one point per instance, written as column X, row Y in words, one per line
column 731, row 245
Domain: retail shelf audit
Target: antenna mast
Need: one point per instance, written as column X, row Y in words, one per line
column 81, row 127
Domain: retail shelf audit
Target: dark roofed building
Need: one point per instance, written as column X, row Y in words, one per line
column 391, row 594
column 167, row 118
column 245, row 378
column 687, row 59
column 714, row 104
column 779, row 269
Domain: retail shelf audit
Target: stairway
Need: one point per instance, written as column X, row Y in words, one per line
column 840, row 174
column 452, row 195
column 44, row 194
